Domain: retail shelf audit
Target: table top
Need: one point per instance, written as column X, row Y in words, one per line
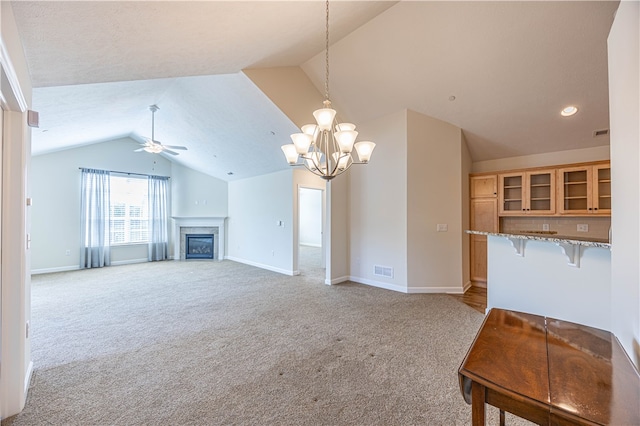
column 578, row 374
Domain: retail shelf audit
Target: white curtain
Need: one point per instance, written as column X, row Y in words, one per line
column 94, row 201
column 158, row 234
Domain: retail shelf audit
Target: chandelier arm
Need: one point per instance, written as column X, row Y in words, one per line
column 313, row 160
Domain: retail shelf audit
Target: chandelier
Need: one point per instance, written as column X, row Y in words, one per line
column 325, row 148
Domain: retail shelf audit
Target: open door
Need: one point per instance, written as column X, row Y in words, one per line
column 311, row 253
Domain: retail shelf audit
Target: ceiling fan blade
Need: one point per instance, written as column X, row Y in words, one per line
column 184, row 148
column 168, row 151
column 138, row 150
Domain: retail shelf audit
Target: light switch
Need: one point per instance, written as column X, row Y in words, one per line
column 442, row 227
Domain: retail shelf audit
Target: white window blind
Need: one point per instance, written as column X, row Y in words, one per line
column 129, row 212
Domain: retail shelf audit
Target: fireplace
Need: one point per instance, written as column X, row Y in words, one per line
column 199, row 246
column 182, row 226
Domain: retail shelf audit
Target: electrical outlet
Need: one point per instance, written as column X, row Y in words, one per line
column 583, row 227
column 67, row 253
column 545, row 226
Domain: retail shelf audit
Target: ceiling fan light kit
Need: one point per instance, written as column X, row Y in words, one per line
column 152, row 145
column 325, row 148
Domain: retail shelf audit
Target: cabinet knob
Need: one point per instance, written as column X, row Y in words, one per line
column 595, row 208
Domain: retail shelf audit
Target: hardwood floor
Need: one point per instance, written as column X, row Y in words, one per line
column 476, row 297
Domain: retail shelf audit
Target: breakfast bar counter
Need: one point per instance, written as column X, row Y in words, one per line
column 560, row 277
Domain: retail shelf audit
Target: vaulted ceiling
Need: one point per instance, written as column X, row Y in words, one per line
column 511, row 67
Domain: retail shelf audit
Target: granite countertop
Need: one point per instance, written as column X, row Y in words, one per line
column 586, row 242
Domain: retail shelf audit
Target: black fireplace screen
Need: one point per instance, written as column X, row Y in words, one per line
column 199, row 246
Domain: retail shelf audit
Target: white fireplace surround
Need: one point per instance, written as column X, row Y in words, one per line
column 195, row 222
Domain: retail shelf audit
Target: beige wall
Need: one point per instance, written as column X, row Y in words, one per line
column 378, row 205
column 543, row 160
column 624, row 90
column 434, row 196
column 290, row 89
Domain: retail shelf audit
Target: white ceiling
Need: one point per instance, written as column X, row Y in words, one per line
column 97, row 66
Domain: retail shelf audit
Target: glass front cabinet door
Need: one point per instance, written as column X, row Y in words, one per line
column 585, row 190
column 527, row 193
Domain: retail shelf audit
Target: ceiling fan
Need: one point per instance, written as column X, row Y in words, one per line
column 153, row 146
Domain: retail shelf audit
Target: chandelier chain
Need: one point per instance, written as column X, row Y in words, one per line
column 326, row 81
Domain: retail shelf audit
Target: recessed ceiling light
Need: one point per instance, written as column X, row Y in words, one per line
column 569, row 111
column 452, row 98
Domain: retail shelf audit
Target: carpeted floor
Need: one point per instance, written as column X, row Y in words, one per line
column 210, row 343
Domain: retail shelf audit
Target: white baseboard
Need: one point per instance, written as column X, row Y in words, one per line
column 57, row 269
column 440, row 290
column 410, row 290
column 129, row 262
column 378, row 284
column 262, row 266
column 77, row 267
column 337, row 280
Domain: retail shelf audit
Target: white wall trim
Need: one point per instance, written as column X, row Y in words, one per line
column 12, row 77
column 379, row 284
column 129, row 261
column 437, row 290
column 336, row 280
column 411, row 290
column 56, row 269
column 261, row 265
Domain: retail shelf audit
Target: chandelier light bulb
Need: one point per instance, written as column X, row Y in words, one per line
column 345, row 127
column 309, row 129
column 346, row 140
column 325, row 117
column 291, row 153
column 365, row 149
column 302, row 142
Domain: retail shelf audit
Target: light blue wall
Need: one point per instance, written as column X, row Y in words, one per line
column 256, row 207
column 55, row 186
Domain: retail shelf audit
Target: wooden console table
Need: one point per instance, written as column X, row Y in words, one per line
column 550, row 372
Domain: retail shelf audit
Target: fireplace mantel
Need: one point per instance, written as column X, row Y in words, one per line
column 193, row 221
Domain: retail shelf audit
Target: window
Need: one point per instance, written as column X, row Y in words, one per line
column 129, row 211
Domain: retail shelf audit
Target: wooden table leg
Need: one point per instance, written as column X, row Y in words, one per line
column 477, row 404
column 501, row 417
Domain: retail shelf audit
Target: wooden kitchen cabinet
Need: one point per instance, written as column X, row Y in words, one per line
column 484, row 217
column 484, row 186
column 585, row 190
column 527, row 193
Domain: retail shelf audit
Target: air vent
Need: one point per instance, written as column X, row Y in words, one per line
column 603, row 132
column 383, row 271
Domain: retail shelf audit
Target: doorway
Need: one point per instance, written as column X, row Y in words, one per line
column 311, row 256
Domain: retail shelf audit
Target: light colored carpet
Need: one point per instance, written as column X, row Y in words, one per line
column 208, row 342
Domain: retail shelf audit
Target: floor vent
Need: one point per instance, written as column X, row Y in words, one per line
column 603, row 132
column 383, row 271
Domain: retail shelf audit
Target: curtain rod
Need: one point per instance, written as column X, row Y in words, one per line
column 126, row 173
